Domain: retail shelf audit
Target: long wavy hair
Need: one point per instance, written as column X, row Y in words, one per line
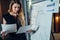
column 20, row 12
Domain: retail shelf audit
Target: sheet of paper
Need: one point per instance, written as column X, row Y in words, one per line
column 8, row 28
column 24, row 29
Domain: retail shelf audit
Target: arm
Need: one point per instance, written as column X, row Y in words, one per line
column 3, row 33
column 4, row 21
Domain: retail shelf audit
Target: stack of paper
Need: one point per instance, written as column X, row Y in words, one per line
column 8, row 28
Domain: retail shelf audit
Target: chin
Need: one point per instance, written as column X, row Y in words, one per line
column 15, row 12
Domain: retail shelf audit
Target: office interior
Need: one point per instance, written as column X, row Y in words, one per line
column 55, row 20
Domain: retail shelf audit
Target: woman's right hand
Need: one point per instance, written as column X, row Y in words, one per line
column 3, row 35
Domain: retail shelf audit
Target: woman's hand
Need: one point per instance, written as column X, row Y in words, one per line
column 3, row 35
column 29, row 31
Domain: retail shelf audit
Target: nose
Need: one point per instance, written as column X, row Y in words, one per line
column 17, row 9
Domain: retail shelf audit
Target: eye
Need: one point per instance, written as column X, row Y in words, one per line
column 18, row 7
column 14, row 7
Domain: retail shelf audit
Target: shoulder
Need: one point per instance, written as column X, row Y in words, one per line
column 5, row 15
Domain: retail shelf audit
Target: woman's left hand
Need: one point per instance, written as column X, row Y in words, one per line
column 29, row 31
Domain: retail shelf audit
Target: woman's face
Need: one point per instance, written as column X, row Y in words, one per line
column 15, row 7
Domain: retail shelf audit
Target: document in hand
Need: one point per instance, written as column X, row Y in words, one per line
column 8, row 28
column 24, row 29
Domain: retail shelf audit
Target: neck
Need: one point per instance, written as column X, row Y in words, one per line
column 13, row 14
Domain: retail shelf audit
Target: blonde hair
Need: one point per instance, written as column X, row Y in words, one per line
column 20, row 12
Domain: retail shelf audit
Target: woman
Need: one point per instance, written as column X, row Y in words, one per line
column 12, row 17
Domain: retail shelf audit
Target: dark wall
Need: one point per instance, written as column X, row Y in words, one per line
column 0, row 12
column 5, row 5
